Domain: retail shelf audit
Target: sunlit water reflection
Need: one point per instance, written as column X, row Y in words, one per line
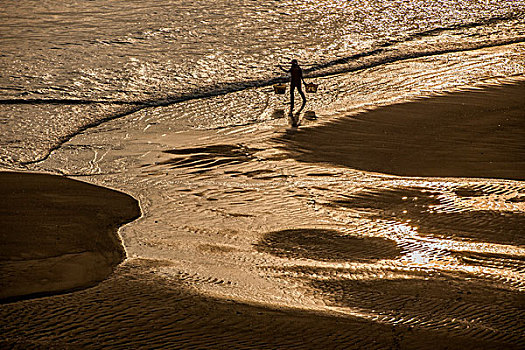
column 226, row 208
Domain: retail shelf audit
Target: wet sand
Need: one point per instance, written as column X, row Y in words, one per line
column 473, row 133
column 478, row 133
column 134, row 309
column 58, row 234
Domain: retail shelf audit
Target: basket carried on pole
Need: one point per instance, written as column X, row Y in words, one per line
column 311, row 87
column 279, row 89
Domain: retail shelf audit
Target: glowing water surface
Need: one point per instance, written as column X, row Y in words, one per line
column 176, row 108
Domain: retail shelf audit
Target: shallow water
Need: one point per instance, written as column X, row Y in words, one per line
column 172, row 103
column 74, row 55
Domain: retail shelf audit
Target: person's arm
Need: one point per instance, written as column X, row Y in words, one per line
column 284, row 70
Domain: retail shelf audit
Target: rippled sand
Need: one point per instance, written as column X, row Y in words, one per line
column 394, row 220
column 139, row 310
column 251, row 241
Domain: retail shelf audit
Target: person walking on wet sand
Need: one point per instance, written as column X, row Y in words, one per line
column 295, row 82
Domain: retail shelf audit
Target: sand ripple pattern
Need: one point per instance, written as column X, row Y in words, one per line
column 382, row 261
column 439, row 255
column 456, row 262
column 442, row 257
column 135, row 310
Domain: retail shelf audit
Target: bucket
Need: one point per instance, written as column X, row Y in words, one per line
column 279, row 89
column 310, row 115
column 312, row 88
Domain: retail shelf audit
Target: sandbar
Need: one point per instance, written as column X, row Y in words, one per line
column 58, row 234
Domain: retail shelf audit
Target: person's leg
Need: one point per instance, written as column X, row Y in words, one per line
column 292, row 90
column 302, row 96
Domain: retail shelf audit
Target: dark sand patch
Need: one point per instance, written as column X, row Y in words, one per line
column 58, row 234
column 475, row 133
column 205, row 159
column 134, row 309
column 327, row 245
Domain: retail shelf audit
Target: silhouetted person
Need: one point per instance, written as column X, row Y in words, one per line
column 295, row 82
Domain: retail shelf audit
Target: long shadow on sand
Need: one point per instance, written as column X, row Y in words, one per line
column 327, row 245
column 476, row 133
column 134, row 310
